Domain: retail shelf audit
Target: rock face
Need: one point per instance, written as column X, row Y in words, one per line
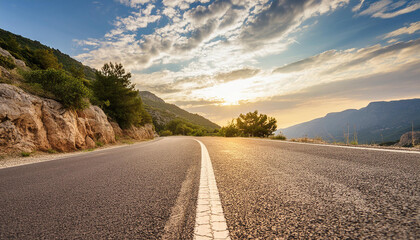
column 406, row 139
column 29, row 123
column 18, row 62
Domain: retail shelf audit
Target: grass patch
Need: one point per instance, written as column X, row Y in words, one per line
column 25, row 154
column 99, row 144
column 127, row 142
column 51, row 151
column 308, row 140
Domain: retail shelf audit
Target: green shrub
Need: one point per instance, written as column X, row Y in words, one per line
column 51, row 151
column 279, row 137
column 164, row 133
column 7, row 62
column 70, row 91
column 99, row 144
column 45, row 59
column 25, row 154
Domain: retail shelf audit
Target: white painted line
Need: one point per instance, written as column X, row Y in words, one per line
column 339, row 146
column 210, row 222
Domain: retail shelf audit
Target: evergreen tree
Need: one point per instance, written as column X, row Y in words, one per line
column 118, row 97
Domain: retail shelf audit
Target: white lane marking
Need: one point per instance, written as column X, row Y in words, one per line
column 210, row 222
column 339, row 146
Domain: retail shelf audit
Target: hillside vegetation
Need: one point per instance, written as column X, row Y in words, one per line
column 31, row 51
column 164, row 113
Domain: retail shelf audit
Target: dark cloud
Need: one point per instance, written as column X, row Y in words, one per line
column 237, row 74
column 198, row 36
column 202, row 13
column 229, row 18
column 279, row 17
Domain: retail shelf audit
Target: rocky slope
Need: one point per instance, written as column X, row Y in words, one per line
column 29, row 123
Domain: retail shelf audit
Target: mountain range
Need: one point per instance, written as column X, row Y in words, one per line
column 378, row 122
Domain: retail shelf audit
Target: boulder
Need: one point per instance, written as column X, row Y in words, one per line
column 406, row 139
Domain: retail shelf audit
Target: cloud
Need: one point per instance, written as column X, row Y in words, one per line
column 334, row 61
column 201, row 14
column 414, row 27
column 306, row 63
column 237, row 74
column 358, row 6
column 281, row 17
column 376, row 52
column 218, row 33
column 134, row 3
column 137, row 20
column 181, row 83
column 390, row 9
column 88, row 42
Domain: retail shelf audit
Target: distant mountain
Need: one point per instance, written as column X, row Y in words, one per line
column 23, row 48
column 163, row 112
column 378, row 122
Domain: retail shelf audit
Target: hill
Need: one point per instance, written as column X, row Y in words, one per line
column 378, row 122
column 23, row 48
column 162, row 113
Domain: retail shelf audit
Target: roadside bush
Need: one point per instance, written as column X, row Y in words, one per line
column 165, row 133
column 279, row 137
column 7, row 62
column 70, row 91
column 25, row 154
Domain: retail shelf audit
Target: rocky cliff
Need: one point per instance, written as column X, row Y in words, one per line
column 29, row 123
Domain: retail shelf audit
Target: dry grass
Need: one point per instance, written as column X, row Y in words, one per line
column 309, row 140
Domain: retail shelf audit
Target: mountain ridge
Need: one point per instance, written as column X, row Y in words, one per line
column 379, row 121
column 163, row 112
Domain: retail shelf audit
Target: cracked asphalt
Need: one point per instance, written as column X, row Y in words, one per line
column 268, row 190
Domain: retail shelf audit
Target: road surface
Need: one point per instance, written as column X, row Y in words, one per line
column 167, row 189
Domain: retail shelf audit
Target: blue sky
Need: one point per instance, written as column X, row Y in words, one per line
column 223, row 57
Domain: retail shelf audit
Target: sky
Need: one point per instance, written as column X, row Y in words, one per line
column 295, row 60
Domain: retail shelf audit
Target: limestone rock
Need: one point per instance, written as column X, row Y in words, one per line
column 30, row 123
column 140, row 133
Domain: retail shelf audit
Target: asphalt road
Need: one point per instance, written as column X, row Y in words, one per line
column 268, row 190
